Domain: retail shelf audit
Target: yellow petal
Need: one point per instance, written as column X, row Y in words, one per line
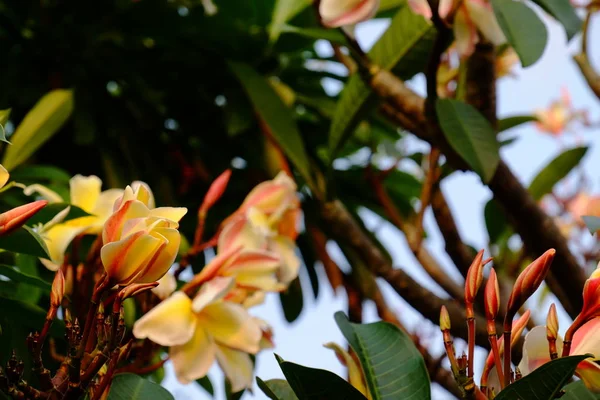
column 85, row 191
column 144, row 193
column 171, row 213
column 104, row 208
column 113, row 227
column 193, row 359
column 4, row 175
column 286, row 248
column 465, row 33
column 237, row 367
column 589, row 372
column 212, row 291
column 58, row 239
column 231, row 325
column 355, row 372
column 44, row 192
column 239, row 233
column 170, row 323
column 164, row 257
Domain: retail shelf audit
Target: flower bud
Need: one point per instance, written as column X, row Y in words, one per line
column 474, row 278
column 58, row 289
column 492, row 301
column 215, row 191
column 444, row 319
column 12, row 220
column 527, row 283
column 552, row 323
column 335, row 13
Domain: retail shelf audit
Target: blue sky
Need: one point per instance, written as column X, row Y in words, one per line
column 532, row 88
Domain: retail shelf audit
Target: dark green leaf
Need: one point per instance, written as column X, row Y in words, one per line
column 206, row 385
column 470, row 135
column 134, row 387
column 310, row 258
column 18, row 276
column 48, row 212
column 30, row 316
column 394, row 368
column 315, row 33
column 404, row 48
column 276, row 389
column 496, row 221
column 4, row 116
column 543, row 383
column 317, row 384
column 510, row 122
column 524, row 30
column 25, row 241
column 283, row 12
column 555, row 171
column 564, row 12
column 592, row 223
column 578, row 391
column 39, row 173
column 292, row 300
column 275, row 115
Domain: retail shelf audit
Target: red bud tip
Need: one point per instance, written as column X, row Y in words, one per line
column 215, row 191
column 474, row 278
column 444, row 319
column 58, row 289
column 552, row 323
column 12, row 220
column 518, row 326
column 492, row 296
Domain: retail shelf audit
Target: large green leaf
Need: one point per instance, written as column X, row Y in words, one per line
column 317, row 384
column 40, row 124
column 25, row 241
column 404, row 48
column 276, row 389
column 543, row 383
column 206, row 384
column 393, row 367
column 495, row 220
column 276, row 117
column 30, row 316
column 578, row 391
column 510, row 122
column 18, row 276
column 283, row 12
column 524, row 30
column 292, row 300
column 470, row 135
column 592, row 223
column 564, row 12
column 555, row 171
column 134, row 387
column 37, row 173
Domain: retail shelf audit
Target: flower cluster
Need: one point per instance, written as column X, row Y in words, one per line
column 560, row 116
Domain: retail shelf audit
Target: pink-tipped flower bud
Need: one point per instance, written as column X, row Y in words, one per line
column 58, row 289
column 474, row 279
column 12, row 220
column 492, row 301
column 552, row 323
column 215, row 191
column 527, row 283
column 444, row 319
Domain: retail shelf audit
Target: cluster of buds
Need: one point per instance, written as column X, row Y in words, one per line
column 498, row 363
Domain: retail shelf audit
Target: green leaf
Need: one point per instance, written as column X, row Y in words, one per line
column 25, row 241
column 555, row 171
column 545, row 382
column 317, row 384
column 4, row 116
column 277, row 118
column 564, row 12
column 17, row 276
column 495, row 220
column 578, row 391
column 27, row 265
column 523, row 29
column 48, row 212
column 206, row 384
column 470, row 135
column 592, row 223
column 39, row 173
column 276, row 389
column 510, row 122
column 404, row 48
column 40, row 124
column 393, row 367
column 283, row 12
column 292, row 300
column 30, row 316
column 316, row 33
column 133, row 387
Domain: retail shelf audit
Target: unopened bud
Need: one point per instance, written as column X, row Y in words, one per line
column 552, row 323
column 518, row 326
column 215, row 191
column 58, row 289
column 492, row 301
column 474, row 278
column 13, row 219
column 444, row 319
column 527, row 283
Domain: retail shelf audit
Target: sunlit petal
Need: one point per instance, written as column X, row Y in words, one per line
column 165, row 256
column 237, row 367
column 587, row 339
column 113, row 226
column 355, row 372
column 44, row 192
column 589, row 372
column 4, row 176
column 193, row 359
column 166, row 285
column 170, row 213
column 212, row 291
column 85, row 191
column 58, row 239
column 231, row 325
column 286, row 248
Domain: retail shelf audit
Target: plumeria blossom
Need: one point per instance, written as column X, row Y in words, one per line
column 356, row 376
column 204, row 329
column 559, row 115
column 85, row 193
column 336, row 13
column 166, row 286
column 584, row 204
column 585, row 341
column 140, row 245
column 472, row 18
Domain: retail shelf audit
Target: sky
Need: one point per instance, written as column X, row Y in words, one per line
column 533, row 88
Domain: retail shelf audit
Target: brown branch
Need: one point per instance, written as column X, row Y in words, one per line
column 481, row 81
column 587, row 70
column 431, row 179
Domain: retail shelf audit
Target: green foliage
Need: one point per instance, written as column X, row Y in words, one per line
column 392, row 364
column 4, row 116
column 555, row 171
column 133, row 387
column 524, row 30
column 470, row 135
column 25, row 241
column 29, row 316
column 16, row 275
column 206, row 384
column 283, row 12
column 545, row 382
column 292, row 300
column 578, row 391
column 564, row 12
column 514, row 121
column 276, row 389
column 48, row 212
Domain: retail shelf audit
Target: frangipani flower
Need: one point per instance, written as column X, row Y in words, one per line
column 203, row 330
column 336, row 13
column 140, row 244
column 472, row 17
column 166, row 286
column 584, row 204
column 356, row 376
column 138, row 190
column 557, row 117
column 586, row 340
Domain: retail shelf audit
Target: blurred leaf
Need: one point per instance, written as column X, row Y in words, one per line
column 40, row 124
column 393, row 366
column 592, row 223
column 470, row 135
column 555, row 171
column 545, row 382
column 578, row 391
column 50, row 211
column 39, row 173
column 510, row 122
column 229, row 395
column 277, row 118
column 18, row 276
column 206, row 384
column 4, row 116
column 292, row 300
column 524, row 30
column 276, row 389
column 134, row 387
column 284, row 11
column 27, row 265
column 317, row 384
column 404, row 48
column 496, row 220
column 310, row 258
column 30, row 316
column 25, row 241
column 563, row 12
column 316, row 33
